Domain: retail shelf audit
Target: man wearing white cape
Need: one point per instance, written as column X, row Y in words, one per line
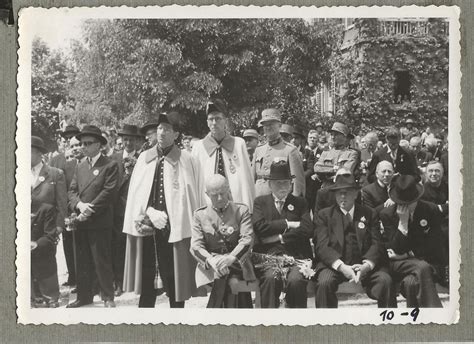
column 221, row 153
column 164, row 191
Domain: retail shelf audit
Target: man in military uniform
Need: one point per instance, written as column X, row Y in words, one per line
column 339, row 156
column 286, row 132
column 409, row 131
column 276, row 149
column 251, row 141
column 222, row 237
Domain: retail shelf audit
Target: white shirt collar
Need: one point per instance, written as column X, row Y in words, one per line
column 382, row 185
column 275, row 198
column 389, row 151
column 351, row 211
column 95, row 158
column 126, row 155
column 110, row 152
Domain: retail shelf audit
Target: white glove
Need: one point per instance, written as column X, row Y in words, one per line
column 157, row 217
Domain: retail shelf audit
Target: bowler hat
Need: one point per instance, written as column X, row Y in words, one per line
column 340, row 128
column 280, row 170
column 405, row 189
column 173, row 118
column 70, row 130
column 270, row 115
column 129, row 130
column 250, row 133
column 216, row 105
column 92, row 130
column 344, row 180
column 38, row 143
column 286, row 129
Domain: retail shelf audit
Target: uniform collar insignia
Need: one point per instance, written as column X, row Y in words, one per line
column 275, row 142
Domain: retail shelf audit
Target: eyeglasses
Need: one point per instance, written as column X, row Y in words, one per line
column 88, row 143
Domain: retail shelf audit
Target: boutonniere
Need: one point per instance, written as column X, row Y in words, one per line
column 95, row 173
column 41, row 178
column 361, row 225
column 291, row 207
column 401, row 158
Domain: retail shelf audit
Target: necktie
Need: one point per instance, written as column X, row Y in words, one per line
column 219, row 162
column 279, row 204
column 89, row 161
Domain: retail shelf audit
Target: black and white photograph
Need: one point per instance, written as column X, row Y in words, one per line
column 238, row 165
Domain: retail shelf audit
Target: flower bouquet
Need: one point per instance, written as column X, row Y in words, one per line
column 129, row 164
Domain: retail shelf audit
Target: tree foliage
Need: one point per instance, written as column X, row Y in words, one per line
column 366, row 73
column 129, row 69
column 49, row 90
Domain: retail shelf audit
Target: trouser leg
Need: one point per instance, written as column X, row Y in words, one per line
column 69, row 255
column 270, row 289
column 296, row 292
column 100, row 248
column 379, row 286
column 326, row 288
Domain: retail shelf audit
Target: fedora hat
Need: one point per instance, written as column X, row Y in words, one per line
column 71, row 130
column 280, row 170
column 250, row 133
column 340, row 128
column 216, row 105
column 405, row 189
column 129, row 130
column 38, row 143
column 344, row 181
column 270, row 115
column 92, row 130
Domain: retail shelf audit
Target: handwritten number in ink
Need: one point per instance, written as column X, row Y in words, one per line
column 387, row 315
column 414, row 313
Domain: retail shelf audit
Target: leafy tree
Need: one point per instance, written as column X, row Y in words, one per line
column 49, row 90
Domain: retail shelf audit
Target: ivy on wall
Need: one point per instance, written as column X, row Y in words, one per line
column 366, row 75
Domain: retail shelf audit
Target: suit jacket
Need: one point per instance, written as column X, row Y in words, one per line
column 307, row 156
column 329, row 235
column 267, row 222
column 123, row 185
column 58, row 161
column 365, row 155
column 43, row 232
column 69, row 170
column 98, row 186
column 207, row 239
column 424, row 237
column 404, row 163
column 50, row 188
column 374, row 196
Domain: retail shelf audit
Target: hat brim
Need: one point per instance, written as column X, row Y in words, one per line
column 147, row 127
column 101, row 139
column 269, row 120
column 40, row 148
column 122, row 133
column 272, row 178
column 337, row 131
column 394, row 197
column 67, row 133
column 341, row 187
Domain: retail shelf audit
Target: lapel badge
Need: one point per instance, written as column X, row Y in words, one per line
column 291, row 207
column 423, row 223
column 41, row 179
column 361, row 225
column 96, row 172
column 230, row 230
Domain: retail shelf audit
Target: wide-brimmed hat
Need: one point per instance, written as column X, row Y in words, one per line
column 297, row 130
column 250, row 133
column 344, row 180
column 280, row 170
column 216, row 105
column 405, row 189
column 340, row 128
column 286, row 129
column 270, row 115
column 129, row 130
column 38, row 143
column 173, row 118
column 71, row 130
column 92, row 130
column 152, row 124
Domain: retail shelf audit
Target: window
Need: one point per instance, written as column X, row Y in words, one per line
column 402, row 87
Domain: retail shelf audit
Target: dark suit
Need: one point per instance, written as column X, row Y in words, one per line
column 352, row 243
column 404, row 163
column 50, row 188
column 424, row 241
column 268, row 222
column 119, row 239
column 365, row 155
column 44, row 271
column 97, row 186
column 374, row 196
column 58, row 161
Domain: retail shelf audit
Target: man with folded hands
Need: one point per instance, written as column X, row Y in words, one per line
column 349, row 248
column 283, row 226
column 222, row 237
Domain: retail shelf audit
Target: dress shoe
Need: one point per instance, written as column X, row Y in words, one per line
column 118, row 291
column 77, row 304
column 109, row 304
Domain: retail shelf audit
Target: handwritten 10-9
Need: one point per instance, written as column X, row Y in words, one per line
column 389, row 315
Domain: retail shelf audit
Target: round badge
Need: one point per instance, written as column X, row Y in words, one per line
column 361, row 225
column 291, row 207
column 41, row 179
column 318, row 155
column 230, row 230
column 423, row 223
column 96, row 172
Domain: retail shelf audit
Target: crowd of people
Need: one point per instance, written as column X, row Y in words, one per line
column 151, row 210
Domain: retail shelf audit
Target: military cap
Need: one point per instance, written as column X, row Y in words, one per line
column 250, row 133
column 286, row 129
column 270, row 115
column 340, row 128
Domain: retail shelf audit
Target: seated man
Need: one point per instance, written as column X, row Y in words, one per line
column 412, row 237
column 283, row 226
column 44, row 270
column 349, row 248
column 222, row 237
column 375, row 195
